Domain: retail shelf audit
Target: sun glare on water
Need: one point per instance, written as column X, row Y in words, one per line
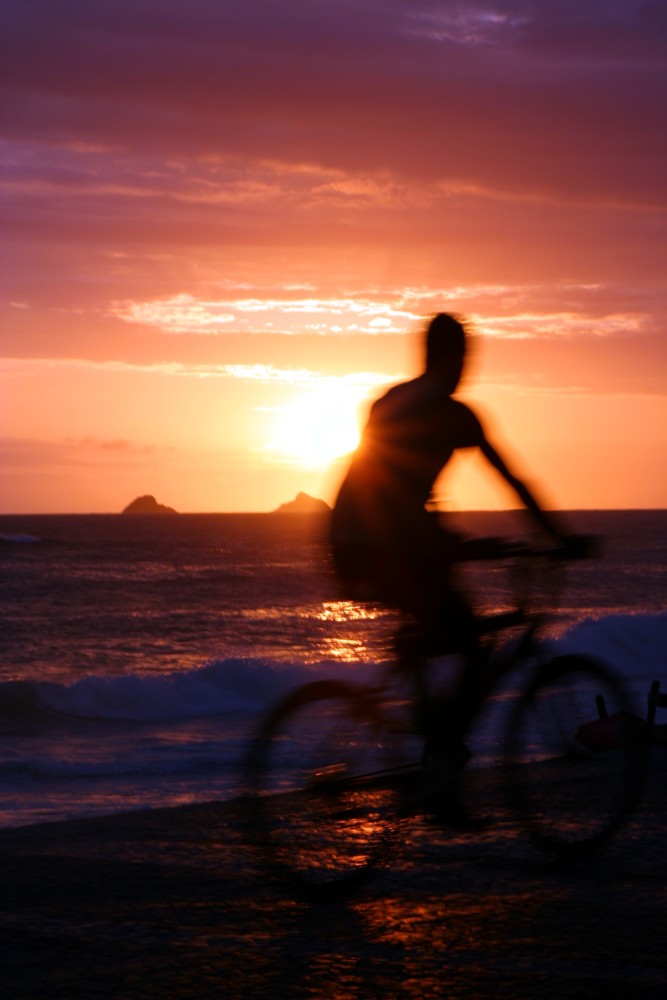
column 318, row 428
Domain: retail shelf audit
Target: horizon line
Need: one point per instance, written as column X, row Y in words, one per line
column 214, row 513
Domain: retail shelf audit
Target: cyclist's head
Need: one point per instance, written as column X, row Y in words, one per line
column 445, row 349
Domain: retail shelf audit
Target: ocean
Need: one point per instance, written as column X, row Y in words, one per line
column 138, row 653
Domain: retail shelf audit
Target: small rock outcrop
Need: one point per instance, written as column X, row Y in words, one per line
column 148, row 505
column 304, row 504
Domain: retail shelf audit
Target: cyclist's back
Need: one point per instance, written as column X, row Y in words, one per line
column 411, row 435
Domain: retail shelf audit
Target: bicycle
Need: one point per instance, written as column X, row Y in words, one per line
column 336, row 767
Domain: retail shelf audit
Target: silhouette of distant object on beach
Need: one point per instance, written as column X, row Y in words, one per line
column 304, row 504
column 148, row 505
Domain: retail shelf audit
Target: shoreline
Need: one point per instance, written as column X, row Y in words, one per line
column 172, row 903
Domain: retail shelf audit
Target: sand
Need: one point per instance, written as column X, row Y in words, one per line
column 173, row 903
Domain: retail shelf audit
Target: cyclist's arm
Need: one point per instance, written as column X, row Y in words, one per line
column 544, row 520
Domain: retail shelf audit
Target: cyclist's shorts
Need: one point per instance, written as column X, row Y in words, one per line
column 418, row 584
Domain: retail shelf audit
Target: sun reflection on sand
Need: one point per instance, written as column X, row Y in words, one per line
column 348, row 611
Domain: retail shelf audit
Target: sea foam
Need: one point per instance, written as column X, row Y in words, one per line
column 632, row 645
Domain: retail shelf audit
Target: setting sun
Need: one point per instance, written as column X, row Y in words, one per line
column 319, row 426
column 214, row 261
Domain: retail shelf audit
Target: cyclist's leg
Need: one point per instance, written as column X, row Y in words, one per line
column 450, row 627
column 452, row 718
column 418, row 582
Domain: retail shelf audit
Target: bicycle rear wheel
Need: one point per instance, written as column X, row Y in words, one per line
column 575, row 776
column 325, row 796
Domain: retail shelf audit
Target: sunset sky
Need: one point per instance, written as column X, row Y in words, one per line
column 224, row 223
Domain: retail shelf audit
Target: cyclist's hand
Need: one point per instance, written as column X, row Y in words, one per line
column 470, row 549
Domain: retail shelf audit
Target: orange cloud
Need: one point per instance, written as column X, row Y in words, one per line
column 210, row 209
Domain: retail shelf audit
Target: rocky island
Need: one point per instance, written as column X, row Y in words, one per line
column 148, row 505
column 304, row 504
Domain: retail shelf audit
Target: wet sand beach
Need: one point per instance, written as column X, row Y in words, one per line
column 172, row 903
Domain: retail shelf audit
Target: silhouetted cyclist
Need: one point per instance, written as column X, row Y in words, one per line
column 387, row 546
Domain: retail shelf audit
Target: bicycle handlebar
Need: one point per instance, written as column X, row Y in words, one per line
column 572, row 547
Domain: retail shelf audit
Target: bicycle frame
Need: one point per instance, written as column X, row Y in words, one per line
column 347, row 765
column 476, row 682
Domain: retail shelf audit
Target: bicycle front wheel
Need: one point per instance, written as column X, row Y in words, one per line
column 325, row 794
column 577, row 756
